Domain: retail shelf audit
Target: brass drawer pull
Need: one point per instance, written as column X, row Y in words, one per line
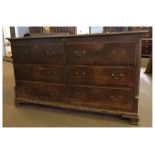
column 84, row 73
column 80, row 74
column 79, row 94
column 116, row 98
column 55, row 73
column 117, row 77
column 79, row 53
column 50, row 53
column 25, row 52
column 147, row 35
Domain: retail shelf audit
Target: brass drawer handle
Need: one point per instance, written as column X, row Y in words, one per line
column 79, row 53
column 25, row 52
column 50, row 53
column 147, row 35
column 80, row 74
column 79, row 94
column 84, row 73
column 117, row 77
column 54, row 73
column 116, row 98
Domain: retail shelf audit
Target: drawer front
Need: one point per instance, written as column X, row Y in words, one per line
column 106, row 98
column 40, row 91
column 107, row 76
column 42, row 73
column 101, row 53
column 39, row 54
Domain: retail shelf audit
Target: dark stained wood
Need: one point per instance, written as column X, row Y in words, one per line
column 43, row 73
column 101, row 53
column 134, row 119
column 43, row 91
column 124, row 114
column 118, row 34
column 39, row 54
column 97, row 73
column 106, row 98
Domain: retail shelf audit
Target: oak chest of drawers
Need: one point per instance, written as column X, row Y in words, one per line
column 97, row 73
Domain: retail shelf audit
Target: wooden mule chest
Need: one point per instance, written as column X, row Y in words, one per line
column 97, row 73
